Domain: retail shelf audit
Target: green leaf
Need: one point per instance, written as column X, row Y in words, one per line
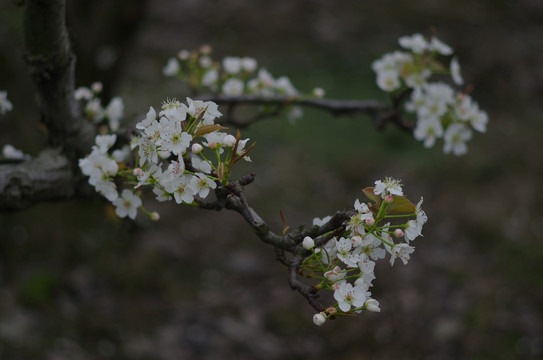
column 401, row 205
column 371, row 195
column 206, row 129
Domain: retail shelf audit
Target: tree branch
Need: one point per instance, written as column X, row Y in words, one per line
column 380, row 112
column 48, row 177
column 51, row 64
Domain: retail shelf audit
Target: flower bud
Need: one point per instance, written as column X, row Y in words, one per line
column 357, row 241
column 183, row 55
column 318, row 92
column 205, row 49
column 331, row 310
column 196, row 148
column 319, row 318
column 138, row 171
column 372, row 305
column 398, row 233
column 155, row 216
column 96, row 87
column 370, row 221
column 389, row 199
column 229, row 140
column 308, row 243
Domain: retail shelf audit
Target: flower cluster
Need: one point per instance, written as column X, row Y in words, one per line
column 233, row 76
column 441, row 111
column 169, row 157
column 345, row 264
column 5, row 104
column 110, row 115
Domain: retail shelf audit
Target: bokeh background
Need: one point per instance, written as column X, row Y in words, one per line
column 77, row 284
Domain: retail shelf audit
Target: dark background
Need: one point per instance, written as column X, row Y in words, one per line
column 77, row 283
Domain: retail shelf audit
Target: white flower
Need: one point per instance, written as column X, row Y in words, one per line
column 205, row 61
column 321, row 222
column 231, row 64
column 319, row 318
column 417, row 79
column 10, row 152
column 210, row 78
column 455, row 71
column 440, row 47
column 248, row 64
column 147, row 151
column 284, row 86
column 114, row 112
column 149, row 118
column 345, row 254
column 455, row 138
column 464, row 108
column 174, row 139
column 82, row 93
column 388, row 186
column 201, row 185
column 366, row 269
column 414, row 227
column 478, row 120
column 308, row 243
column 197, row 107
column 348, row 296
column 416, row 43
column 401, row 251
column 201, row 164
column 428, row 130
column 171, row 68
column 182, row 191
column 105, row 142
column 233, row 87
column 127, row 204
column 388, row 80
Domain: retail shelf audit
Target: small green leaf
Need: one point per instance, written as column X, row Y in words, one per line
column 206, row 129
column 371, row 195
column 401, row 205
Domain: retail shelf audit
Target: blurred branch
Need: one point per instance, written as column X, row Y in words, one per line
column 51, row 64
column 380, row 112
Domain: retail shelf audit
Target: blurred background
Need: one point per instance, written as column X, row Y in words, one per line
column 77, row 283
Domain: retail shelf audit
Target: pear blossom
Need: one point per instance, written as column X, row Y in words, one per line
column 210, row 78
column 321, row 222
column 83, row 93
column 414, row 228
column 455, row 71
column 10, row 152
column 388, row 186
column 478, row 120
column 201, row 184
column 127, row 204
column 428, row 130
column 416, row 43
column 440, row 47
column 455, row 138
column 400, row 251
column 249, row 64
column 232, row 64
column 171, row 68
column 183, row 54
column 348, row 296
column 183, row 192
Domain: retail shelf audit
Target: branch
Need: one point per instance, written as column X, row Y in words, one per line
column 48, row 177
column 51, row 64
column 381, row 112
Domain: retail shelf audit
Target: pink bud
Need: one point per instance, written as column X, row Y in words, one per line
column 389, row 199
column 398, row 233
column 331, row 310
column 370, row 221
column 138, row 171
